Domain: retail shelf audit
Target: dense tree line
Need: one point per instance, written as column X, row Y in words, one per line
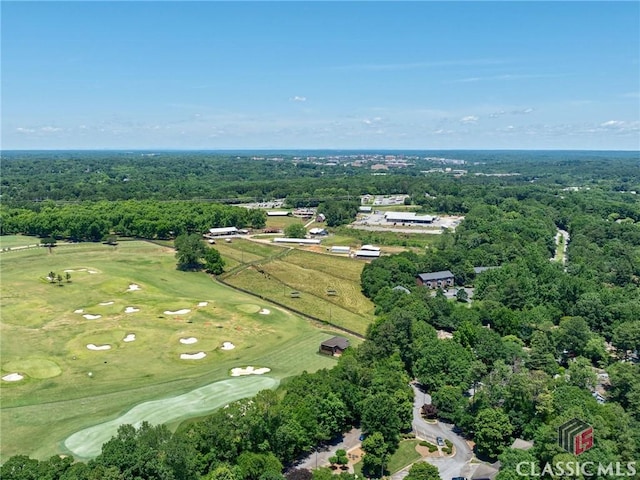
column 145, row 219
column 94, row 176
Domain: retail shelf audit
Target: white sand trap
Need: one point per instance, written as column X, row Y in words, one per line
column 265, row 311
column 91, row 346
column 91, row 317
column 80, row 310
column 188, row 341
column 133, row 287
column 203, row 304
column 92, row 271
column 12, row 377
column 193, row 356
column 105, row 303
column 129, row 338
column 131, row 310
column 228, row 346
column 49, row 279
column 236, row 372
column 69, row 271
column 177, row 312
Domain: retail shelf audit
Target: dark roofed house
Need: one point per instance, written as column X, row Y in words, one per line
column 486, row 471
column 442, row 279
column 334, row 346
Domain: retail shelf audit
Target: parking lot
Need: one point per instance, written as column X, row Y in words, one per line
column 377, row 222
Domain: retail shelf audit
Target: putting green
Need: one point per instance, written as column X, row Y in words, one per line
column 87, row 443
column 249, row 308
column 34, row 367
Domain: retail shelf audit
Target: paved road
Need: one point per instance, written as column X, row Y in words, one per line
column 449, row 467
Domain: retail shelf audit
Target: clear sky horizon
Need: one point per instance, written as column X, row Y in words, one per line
column 320, row 75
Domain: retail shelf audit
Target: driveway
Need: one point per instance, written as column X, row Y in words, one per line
column 320, row 458
column 449, row 467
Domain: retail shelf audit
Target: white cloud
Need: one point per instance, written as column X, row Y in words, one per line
column 298, row 98
column 371, row 121
column 469, row 119
column 50, row 129
column 522, row 111
column 25, row 130
column 613, row 123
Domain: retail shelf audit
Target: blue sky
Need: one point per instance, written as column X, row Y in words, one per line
column 254, row 75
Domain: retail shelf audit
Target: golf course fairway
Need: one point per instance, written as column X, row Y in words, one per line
column 87, row 443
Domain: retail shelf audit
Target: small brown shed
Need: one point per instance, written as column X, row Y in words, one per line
column 334, row 346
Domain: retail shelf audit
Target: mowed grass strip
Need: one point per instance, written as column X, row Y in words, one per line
column 87, row 443
column 244, row 251
column 349, row 308
column 41, row 335
column 334, row 266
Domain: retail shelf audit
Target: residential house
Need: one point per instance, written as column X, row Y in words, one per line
column 443, row 279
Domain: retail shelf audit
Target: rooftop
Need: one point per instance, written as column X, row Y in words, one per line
column 425, row 277
column 340, row 342
column 407, row 217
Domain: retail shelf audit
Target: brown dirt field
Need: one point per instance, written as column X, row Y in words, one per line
column 355, row 455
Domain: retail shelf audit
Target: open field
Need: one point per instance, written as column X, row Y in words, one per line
column 406, row 240
column 12, row 241
column 312, row 275
column 283, row 222
column 44, row 336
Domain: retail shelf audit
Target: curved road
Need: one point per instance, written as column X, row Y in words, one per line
column 449, row 467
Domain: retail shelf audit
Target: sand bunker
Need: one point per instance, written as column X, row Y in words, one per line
column 105, row 303
column 188, row 341
column 203, row 304
column 177, row 312
column 92, row 271
column 91, row 317
column 236, row 372
column 91, row 346
column 193, row 356
column 131, row 310
column 12, row 377
column 265, row 311
column 133, row 287
column 80, row 310
column 69, row 271
column 228, row 346
column 129, row 338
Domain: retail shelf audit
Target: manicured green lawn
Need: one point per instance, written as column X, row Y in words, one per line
column 12, row 241
column 405, row 455
column 44, row 336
